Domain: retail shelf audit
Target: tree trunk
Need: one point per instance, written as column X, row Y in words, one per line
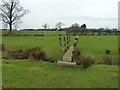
column 10, row 25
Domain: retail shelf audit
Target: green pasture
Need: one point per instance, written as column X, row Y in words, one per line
column 92, row 45
column 48, row 43
column 40, row 74
column 97, row 45
column 26, row 74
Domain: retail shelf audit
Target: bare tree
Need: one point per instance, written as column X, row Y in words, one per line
column 4, row 26
column 12, row 12
column 45, row 26
column 59, row 25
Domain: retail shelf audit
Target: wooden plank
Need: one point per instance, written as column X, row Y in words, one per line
column 66, row 63
column 68, row 55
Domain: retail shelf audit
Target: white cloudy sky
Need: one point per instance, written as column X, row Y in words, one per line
column 94, row 13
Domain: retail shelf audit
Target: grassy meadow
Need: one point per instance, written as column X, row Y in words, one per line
column 41, row 74
column 25, row 74
column 49, row 43
column 97, row 45
column 93, row 45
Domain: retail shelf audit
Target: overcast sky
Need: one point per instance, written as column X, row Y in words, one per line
column 94, row 13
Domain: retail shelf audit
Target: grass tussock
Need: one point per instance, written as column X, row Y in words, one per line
column 109, row 60
column 33, row 54
column 84, row 59
column 15, row 54
column 108, row 52
column 88, row 60
column 2, row 47
column 76, row 54
column 36, row 54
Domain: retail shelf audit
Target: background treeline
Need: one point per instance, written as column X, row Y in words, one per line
column 74, row 29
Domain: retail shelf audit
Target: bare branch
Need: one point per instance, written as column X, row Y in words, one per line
column 45, row 26
column 59, row 25
column 11, row 12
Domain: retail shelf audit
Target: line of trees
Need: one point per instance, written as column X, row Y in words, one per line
column 82, row 30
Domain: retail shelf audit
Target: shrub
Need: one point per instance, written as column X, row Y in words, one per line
column 31, row 54
column 87, row 61
column 77, row 57
column 115, row 60
column 2, row 47
column 99, row 33
column 76, row 54
column 35, row 54
column 108, row 52
column 107, row 60
column 15, row 54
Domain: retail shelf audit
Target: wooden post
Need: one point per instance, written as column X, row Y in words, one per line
column 64, row 38
column 64, row 42
column 60, row 42
column 76, row 41
column 69, row 39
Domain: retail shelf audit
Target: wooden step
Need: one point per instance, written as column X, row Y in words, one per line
column 63, row 63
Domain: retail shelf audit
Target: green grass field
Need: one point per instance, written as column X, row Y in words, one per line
column 25, row 74
column 48, row 43
column 97, row 45
column 93, row 45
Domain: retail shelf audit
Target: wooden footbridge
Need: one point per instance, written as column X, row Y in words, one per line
column 68, row 59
